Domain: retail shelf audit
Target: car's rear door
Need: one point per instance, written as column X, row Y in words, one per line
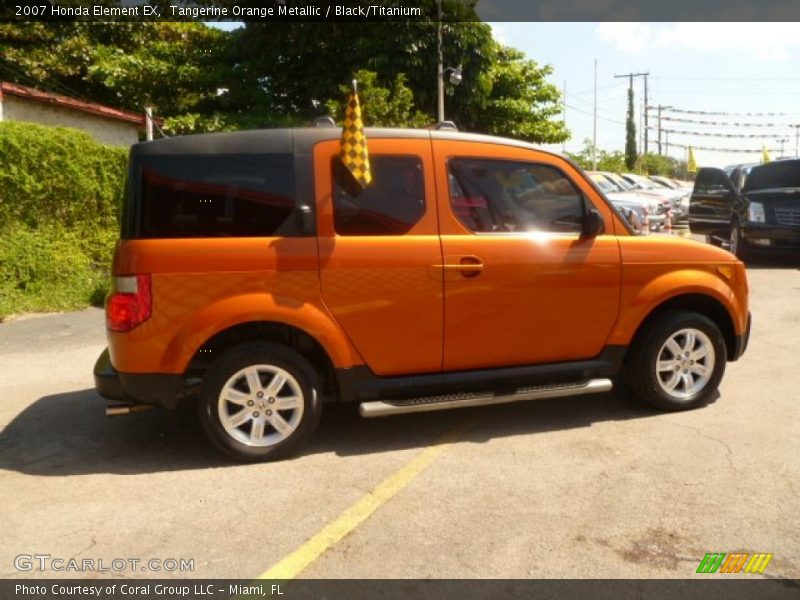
column 376, row 249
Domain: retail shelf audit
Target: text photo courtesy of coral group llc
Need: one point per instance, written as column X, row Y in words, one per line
column 423, row 299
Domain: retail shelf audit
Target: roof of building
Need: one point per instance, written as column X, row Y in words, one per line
column 100, row 110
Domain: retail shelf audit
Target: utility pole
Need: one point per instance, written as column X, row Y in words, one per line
column 630, row 77
column 646, row 146
column 564, row 107
column 594, row 121
column 148, row 121
column 440, row 68
column 796, row 140
column 783, row 141
column 666, row 149
column 660, row 107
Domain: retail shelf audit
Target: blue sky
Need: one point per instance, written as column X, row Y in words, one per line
column 717, row 67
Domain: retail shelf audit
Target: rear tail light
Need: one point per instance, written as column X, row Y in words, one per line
column 130, row 302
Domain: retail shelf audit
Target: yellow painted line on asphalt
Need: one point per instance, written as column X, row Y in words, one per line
column 296, row 562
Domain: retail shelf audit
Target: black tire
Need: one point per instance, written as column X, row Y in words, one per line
column 714, row 241
column 642, row 376
column 266, row 356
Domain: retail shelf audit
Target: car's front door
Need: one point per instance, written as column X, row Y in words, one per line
column 522, row 284
column 711, row 203
column 376, row 249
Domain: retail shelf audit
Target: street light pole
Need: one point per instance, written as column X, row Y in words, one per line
column 440, row 67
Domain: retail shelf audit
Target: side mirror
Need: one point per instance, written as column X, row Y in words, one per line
column 593, row 224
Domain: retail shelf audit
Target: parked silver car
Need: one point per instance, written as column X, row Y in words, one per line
column 644, row 213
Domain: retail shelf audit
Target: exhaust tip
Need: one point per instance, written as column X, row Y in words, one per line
column 116, row 410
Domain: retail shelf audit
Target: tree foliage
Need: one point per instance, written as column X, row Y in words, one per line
column 382, row 106
column 274, row 74
column 656, row 164
column 606, row 161
column 175, row 67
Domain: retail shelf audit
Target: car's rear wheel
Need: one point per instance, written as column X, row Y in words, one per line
column 678, row 361
column 260, row 401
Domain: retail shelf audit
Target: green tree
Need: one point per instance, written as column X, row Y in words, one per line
column 630, row 134
column 176, row 67
column 274, row 74
column 382, row 106
column 613, row 161
column 656, row 164
column 294, row 72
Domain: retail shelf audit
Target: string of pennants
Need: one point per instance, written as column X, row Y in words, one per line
column 722, row 123
column 763, row 136
column 734, row 150
column 723, row 114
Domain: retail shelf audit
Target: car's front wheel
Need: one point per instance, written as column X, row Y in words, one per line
column 260, row 401
column 678, row 361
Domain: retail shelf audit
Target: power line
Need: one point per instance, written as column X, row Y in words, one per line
column 721, row 123
column 672, row 109
column 584, row 112
column 699, row 78
column 732, row 150
column 54, row 87
column 765, row 136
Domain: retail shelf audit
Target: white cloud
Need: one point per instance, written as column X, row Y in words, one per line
column 764, row 40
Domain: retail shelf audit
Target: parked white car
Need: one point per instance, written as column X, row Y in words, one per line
column 674, row 197
column 644, row 213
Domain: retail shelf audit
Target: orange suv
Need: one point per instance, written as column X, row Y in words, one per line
column 254, row 277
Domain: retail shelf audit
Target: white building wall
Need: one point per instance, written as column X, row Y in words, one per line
column 105, row 131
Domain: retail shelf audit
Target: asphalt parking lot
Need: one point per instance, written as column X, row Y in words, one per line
column 592, row 486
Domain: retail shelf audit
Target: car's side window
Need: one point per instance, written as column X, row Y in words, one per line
column 712, row 182
column 390, row 205
column 195, row 196
column 490, row 195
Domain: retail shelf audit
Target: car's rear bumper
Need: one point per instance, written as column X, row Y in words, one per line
column 135, row 388
column 741, row 341
column 769, row 235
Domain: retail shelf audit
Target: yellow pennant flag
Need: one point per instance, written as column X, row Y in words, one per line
column 765, row 155
column 353, row 151
column 691, row 164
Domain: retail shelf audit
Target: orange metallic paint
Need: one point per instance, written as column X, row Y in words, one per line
column 540, row 297
column 381, row 289
column 423, row 301
column 203, row 286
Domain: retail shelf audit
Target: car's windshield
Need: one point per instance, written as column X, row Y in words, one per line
column 665, row 183
column 603, row 183
column 773, row 175
column 644, row 183
column 621, row 182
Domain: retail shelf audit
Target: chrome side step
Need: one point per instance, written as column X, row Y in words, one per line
column 385, row 408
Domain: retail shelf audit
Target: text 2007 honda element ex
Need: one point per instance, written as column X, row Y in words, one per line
column 256, row 278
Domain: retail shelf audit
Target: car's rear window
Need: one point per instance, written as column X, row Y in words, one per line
column 191, row 196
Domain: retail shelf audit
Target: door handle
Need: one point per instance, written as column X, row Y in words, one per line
column 468, row 266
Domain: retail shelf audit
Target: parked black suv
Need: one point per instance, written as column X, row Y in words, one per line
column 753, row 207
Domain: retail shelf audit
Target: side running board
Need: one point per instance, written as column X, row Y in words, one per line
column 385, row 408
